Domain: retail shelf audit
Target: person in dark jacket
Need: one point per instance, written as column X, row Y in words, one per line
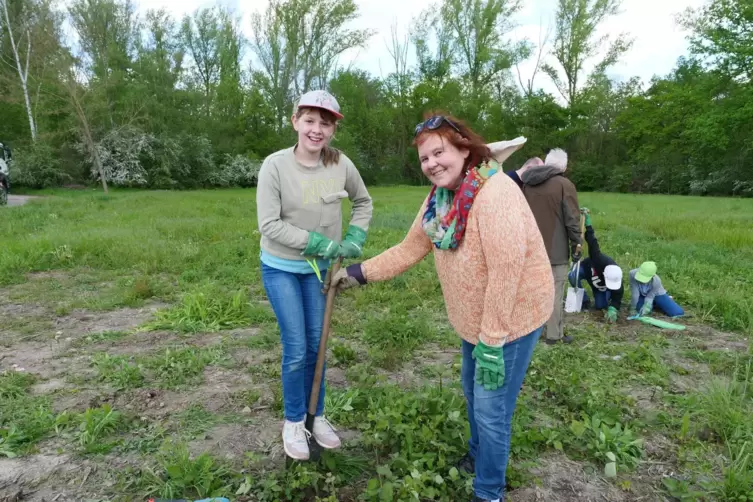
column 554, row 202
column 602, row 273
column 516, row 174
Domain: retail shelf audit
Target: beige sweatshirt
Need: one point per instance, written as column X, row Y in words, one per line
column 293, row 200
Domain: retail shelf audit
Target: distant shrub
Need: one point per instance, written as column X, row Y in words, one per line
column 37, row 166
column 236, row 170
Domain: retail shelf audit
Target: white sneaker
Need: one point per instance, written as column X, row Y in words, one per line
column 324, row 433
column 295, row 440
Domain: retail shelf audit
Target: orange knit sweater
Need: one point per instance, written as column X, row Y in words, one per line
column 497, row 284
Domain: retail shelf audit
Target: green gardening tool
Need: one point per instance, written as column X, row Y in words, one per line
column 657, row 322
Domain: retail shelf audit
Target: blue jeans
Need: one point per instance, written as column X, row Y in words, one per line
column 299, row 305
column 601, row 298
column 490, row 413
column 665, row 304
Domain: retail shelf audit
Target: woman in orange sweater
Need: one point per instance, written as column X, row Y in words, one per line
column 495, row 277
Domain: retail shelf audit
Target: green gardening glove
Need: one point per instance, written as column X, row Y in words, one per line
column 611, row 314
column 587, row 213
column 647, row 307
column 490, row 366
column 321, row 246
column 352, row 245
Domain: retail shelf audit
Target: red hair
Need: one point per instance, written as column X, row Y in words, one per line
column 463, row 137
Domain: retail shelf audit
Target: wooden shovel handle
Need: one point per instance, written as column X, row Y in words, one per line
column 322, row 354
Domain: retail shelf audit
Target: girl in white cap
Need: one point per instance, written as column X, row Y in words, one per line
column 602, row 273
column 298, row 198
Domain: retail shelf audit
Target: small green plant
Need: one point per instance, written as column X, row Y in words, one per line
column 104, row 336
column 737, row 477
column 724, row 408
column 118, row 371
column 14, row 384
column 681, row 490
column 95, row 425
column 608, row 442
column 24, row 418
column 10, row 440
column 343, row 355
column 177, row 475
column 194, row 421
column 205, row 312
column 141, row 289
column 183, row 366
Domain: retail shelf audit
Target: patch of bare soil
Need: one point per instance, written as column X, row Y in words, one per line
column 19, row 310
column 712, row 339
column 645, row 398
column 82, row 322
column 563, row 480
column 43, row 358
column 217, row 393
column 20, row 478
column 232, row 441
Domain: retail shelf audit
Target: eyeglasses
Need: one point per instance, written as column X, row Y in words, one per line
column 434, row 123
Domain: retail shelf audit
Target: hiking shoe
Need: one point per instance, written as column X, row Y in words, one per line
column 467, row 464
column 324, row 433
column 295, row 440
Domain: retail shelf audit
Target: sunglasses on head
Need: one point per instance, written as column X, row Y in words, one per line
column 434, row 123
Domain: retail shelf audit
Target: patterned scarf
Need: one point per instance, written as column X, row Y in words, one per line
column 446, row 213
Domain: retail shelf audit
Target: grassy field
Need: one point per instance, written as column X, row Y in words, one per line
column 138, row 356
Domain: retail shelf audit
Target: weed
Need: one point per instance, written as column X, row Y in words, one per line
column 95, row 425
column 24, row 419
column 607, row 441
column 104, row 336
column 681, row 490
column 14, row 384
column 177, row 475
column 205, row 312
column 182, row 366
column 118, row 371
column 724, row 408
column 343, row 355
column 193, row 421
column 737, row 481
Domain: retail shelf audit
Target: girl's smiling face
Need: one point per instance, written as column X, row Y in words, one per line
column 314, row 130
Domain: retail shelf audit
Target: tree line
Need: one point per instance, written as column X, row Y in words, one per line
column 154, row 101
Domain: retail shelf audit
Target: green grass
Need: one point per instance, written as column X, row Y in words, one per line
column 609, row 402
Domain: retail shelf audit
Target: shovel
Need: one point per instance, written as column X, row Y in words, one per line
column 314, row 448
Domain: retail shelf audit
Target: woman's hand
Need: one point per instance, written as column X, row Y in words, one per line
column 490, row 366
column 346, row 278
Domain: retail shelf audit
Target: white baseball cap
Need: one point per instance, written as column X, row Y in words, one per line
column 613, row 277
column 320, row 99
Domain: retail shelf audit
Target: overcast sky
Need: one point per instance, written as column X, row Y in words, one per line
column 658, row 40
